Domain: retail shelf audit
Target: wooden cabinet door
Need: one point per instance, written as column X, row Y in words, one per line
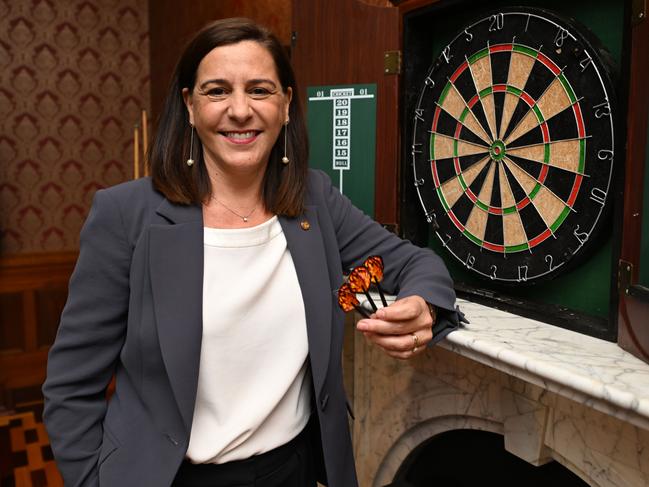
column 345, row 42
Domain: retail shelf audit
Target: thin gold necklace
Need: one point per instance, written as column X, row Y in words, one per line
column 243, row 217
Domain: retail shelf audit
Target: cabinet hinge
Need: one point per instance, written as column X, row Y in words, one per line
column 392, row 62
column 638, row 11
column 624, row 276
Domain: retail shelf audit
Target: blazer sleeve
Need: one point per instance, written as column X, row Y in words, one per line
column 409, row 270
column 89, row 339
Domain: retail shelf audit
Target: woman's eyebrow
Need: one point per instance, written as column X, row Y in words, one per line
column 220, row 81
column 217, row 81
column 262, row 80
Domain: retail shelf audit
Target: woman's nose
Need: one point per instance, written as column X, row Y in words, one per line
column 239, row 107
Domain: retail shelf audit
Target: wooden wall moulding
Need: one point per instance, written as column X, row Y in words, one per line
column 32, row 270
column 406, row 6
column 33, row 291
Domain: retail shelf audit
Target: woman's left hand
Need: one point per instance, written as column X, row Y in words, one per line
column 403, row 329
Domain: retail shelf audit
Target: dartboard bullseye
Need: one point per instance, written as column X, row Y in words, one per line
column 513, row 145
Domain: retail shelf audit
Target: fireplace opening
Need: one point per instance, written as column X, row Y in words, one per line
column 466, row 458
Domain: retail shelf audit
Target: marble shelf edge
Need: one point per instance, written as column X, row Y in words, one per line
column 494, row 345
column 585, row 388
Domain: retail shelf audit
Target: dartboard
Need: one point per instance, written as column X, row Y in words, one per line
column 513, row 146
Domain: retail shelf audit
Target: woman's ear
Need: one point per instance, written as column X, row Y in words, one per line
column 189, row 104
column 289, row 97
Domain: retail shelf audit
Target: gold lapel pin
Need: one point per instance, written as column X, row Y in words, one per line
column 305, row 225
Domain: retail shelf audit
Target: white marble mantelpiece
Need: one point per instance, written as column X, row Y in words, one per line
column 574, row 365
column 553, row 394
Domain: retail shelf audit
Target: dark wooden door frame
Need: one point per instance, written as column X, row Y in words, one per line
column 633, row 309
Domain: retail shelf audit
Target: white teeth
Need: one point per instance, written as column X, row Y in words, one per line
column 240, row 135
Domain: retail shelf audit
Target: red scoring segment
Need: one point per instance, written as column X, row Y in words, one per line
column 501, row 47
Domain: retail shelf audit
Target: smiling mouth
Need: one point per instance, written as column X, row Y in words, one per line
column 241, row 137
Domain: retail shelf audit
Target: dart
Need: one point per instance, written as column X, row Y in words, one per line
column 359, row 282
column 347, row 300
column 374, row 264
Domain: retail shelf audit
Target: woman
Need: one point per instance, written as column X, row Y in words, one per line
column 207, row 291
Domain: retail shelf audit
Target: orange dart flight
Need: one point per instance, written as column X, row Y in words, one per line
column 346, row 298
column 359, row 282
column 359, row 279
column 374, row 264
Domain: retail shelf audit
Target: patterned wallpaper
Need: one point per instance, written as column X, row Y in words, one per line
column 74, row 76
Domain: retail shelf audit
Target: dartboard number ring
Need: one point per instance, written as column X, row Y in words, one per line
column 513, row 145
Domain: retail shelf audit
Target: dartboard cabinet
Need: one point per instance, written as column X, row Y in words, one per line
column 511, row 139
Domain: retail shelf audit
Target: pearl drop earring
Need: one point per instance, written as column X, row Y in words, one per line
column 190, row 161
column 285, row 158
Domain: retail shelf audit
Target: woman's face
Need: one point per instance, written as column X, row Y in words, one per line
column 237, row 107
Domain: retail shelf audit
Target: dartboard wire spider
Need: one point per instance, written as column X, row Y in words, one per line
column 508, row 161
column 485, row 137
column 489, row 113
column 557, row 78
column 508, row 140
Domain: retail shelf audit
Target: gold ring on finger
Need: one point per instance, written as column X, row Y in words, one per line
column 415, row 342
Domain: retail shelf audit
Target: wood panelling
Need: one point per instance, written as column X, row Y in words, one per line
column 48, row 304
column 173, row 23
column 11, row 311
column 33, row 290
column 344, row 42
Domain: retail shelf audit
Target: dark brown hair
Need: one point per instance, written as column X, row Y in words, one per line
column 283, row 186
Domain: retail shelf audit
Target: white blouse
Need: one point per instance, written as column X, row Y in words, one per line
column 253, row 385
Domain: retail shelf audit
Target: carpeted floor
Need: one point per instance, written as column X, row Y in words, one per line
column 25, row 455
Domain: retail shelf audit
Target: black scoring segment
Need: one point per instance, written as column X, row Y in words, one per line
column 495, row 193
column 499, row 104
column 468, row 136
column 516, row 189
column 494, row 230
column 531, row 137
column 532, row 221
column 500, row 67
column 467, row 162
column 538, row 81
column 478, row 182
column 465, row 85
column 479, row 113
column 462, row 208
column 446, row 124
column 563, row 125
column 532, row 168
column 560, row 182
column 445, row 170
column 519, row 113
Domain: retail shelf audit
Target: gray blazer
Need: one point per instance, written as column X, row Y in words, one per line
column 134, row 310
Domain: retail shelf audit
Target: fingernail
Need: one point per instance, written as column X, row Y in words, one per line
column 361, row 326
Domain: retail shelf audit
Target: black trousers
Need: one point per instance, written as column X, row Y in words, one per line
column 290, row 465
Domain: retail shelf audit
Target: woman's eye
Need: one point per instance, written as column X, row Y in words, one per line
column 259, row 92
column 216, row 92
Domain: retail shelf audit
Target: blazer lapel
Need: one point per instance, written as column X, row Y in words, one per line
column 305, row 243
column 176, row 263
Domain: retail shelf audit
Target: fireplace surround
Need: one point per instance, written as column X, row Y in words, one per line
column 550, row 393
